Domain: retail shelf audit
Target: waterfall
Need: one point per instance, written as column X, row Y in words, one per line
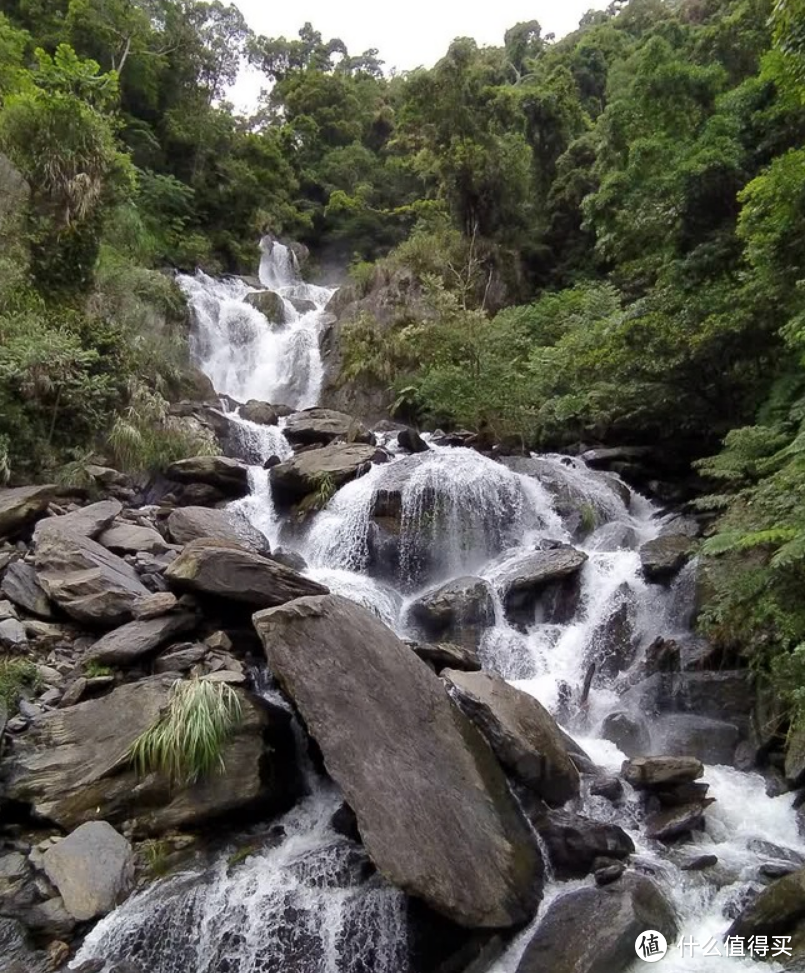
column 306, row 900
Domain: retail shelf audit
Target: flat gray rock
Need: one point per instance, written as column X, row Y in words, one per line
column 432, row 805
column 305, row 473
column 188, row 524
column 132, row 538
column 129, row 643
column 93, row 869
column 229, row 476
column 323, row 426
column 21, row 586
column 21, row 505
column 86, row 522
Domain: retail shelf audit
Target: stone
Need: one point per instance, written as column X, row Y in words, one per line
column 131, row 538
column 180, row 659
column 411, row 441
column 228, row 476
column 779, row 910
column 608, row 875
column 614, row 644
column 647, row 773
column 574, row 842
column 700, row 863
column 88, row 521
column 188, row 524
column 727, row 695
column 447, row 655
column 218, row 568
column 683, row 734
column 458, row 612
column 629, row 734
column 320, row 427
column 260, row 412
column 73, row 766
column 665, row 556
column 371, row 706
column 128, row 644
column 336, row 464
column 93, row 869
column 676, row 822
column 525, row 578
column 21, row 586
column 91, row 584
column 74, row 692
column 594, row 930
column 268, row 303
column 609, row 787
column 154, row 606
column 17, row 955
column 12, row 635
column 19, row 506
column 522, row 733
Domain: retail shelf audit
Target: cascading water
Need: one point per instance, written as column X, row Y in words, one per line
column 305, row 904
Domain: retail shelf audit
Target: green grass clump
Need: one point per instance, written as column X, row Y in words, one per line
column 15, row 676
column 94, row 670
column 187, row 741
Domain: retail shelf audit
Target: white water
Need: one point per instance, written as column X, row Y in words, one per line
column 289, row 908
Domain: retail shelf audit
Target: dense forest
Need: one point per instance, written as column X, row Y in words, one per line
column 603, row 237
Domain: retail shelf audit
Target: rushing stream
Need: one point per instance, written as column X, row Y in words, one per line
column 304, row 903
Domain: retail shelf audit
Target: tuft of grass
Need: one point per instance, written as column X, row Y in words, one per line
column 156, row 854
column 319, row 498
column 242, row 854
column 187, row 741
column 589, row 520
column 16, row 675
column 94, row 670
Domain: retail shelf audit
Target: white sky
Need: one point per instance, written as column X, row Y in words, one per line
column 408, row 33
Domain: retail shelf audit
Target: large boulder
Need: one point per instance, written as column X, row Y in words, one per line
column 307, row 472
column 262, row 413
column 447, row 655
column 125, row 538
column 727, row 695
column 647, row 773
column 524, row 579
column 188, row 524
column 270, row 304
column 779, row 910
column 225, row 570
column 73, row 765
column 432, row 805
column 128, row 644
column 21, row 585
column 227, row 475
column 20, row 506
column 522, row 733
column 88, row 521
column 574, row 842
column 85, row 579
column 594, row 930
column 684, row 734
column 665, row 556
column 458, row 611
column 93, row 869
column 320, row 427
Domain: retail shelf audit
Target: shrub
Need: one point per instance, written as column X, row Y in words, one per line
column 15, row 676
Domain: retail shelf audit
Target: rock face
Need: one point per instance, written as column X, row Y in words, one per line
column 93, row 869
column 320, row 427
column 593, row 930
column 224, row 474
column 337, row 464
column 521, row 732
column 90, row 583
column 222, row 569
column 21, row 505
column 430, row 799
column 21, row 586
column 128, row 644
column 188, row 524
column 663, row 557
column 72, row 766
column 458, row 611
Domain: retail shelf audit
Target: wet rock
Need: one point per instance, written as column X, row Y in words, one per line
column 776, row 869
column 665, row 556
column 188, row 524
column 458, row 611
column 259, row 412
column 93, row 869
column 217, row 568
column 647, row 773
column 228, row 476
column 526, row 577
column 88, row 521
column 608, row 875
column 344, row 822
column 90, row 583
column 320, row 427
column 268, row 303
column 609, row 787
column 447, row 655
column 778, row 910
column 679, row 795
column 683, row 734
column 522, row 733
column 594, row 930
column 663, row 655
column 614, row 643
column 127, row 645
column 334, row 465
column 371, row 705
column 73, row 766
column 673, row 823
column 630, row 735
column 21, row 586
column 574, row 842
column 20, row 506
column 411, row 441
column 131, row 538
column 700, row 863
column 17, row 955
column 727, row 696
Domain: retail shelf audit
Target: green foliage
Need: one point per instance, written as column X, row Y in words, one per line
column 16, row 676
column 187, row 741
column 94, row 670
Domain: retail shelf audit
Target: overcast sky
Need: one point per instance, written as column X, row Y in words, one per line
column 408, row 33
